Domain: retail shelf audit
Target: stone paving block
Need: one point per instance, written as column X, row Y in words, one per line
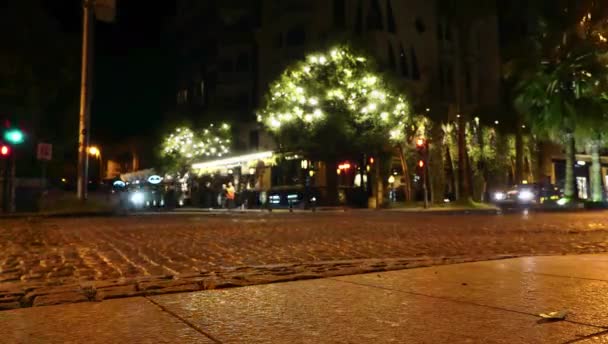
column 497, row 284
column 132, row 320
column 9, row 305
column 599, row 339
column 584, row 266
column 59, row 298
column 328, row 311
column 115, row 292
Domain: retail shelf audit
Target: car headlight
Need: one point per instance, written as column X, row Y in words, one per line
column 525, row 195
column 137, row 198
column 500, row 196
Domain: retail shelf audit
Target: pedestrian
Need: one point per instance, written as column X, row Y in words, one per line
column 221, row 196
column 230, row 195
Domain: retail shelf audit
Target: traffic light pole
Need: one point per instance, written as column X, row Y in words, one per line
column 424, row 174
column 84, row 114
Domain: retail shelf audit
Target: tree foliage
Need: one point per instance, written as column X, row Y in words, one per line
column 334, row 103
column 185, row 146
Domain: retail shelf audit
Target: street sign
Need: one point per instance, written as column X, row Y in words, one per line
column 45, row 151
column 105, row 10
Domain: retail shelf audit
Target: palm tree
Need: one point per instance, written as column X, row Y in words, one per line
column 562, row 81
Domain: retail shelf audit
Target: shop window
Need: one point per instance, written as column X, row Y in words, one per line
column 581, row 186
column 339, row 14
column 391, row 19
column 374, row 17
column 296, row 37
column 405, row 69
column 392, row 64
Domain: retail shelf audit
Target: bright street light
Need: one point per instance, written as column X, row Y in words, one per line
column 94, row 151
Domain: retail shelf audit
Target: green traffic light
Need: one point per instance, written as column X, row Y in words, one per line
column 14, row 136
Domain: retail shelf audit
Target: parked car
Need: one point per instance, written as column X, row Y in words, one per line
column 528, row 195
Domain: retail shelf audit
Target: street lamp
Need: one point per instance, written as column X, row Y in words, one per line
column 96, row 152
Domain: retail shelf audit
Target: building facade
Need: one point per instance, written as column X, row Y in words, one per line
column 229, row 51
column 448, row 62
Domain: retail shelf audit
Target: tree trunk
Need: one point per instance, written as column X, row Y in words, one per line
column 406, row 174
column 519, row 153
column 597, row 190
column 377, row 185
column 570, row 186
column 450, row 162
column 464, row 192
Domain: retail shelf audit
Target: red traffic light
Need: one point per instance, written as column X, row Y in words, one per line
column 371, row 160
column 420, row 142
column 420, row 163
column 5, row 150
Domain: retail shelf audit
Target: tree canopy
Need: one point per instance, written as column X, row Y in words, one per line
column 334, row 103
column 185, row 146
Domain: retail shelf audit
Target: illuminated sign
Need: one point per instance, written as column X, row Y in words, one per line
column 119, row 184
column 155, row 179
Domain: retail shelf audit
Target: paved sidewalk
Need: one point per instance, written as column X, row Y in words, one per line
column 484, row 302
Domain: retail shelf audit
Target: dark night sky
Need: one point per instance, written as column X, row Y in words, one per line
column 133, row 74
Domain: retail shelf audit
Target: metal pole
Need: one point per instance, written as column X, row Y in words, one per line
column 424, row 174
column 13, row 182
column 5, row 186
column 100, row 169
column 84, row 114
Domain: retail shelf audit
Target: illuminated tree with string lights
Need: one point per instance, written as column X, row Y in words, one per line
column 184, row 146
column 334, row 105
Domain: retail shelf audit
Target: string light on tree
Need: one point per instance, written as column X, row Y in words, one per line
column 307, row 94
column 186, row 145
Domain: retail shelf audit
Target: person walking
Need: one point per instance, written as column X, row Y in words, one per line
column 230, row 195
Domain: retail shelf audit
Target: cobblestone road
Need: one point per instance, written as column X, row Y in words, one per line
column 57, row 252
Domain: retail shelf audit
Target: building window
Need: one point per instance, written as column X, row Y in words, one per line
column 359, row 19
column 226, row 65
column 278, row 40
column 468, row 84
column 405, row 69
column 202, row 90
column 182, row 96
column 442, row 82
column 254, row 139
column 392, row 64
column 242, row 62
column 391, row 19
column 415, row 68
column 443, row 30
column 296, row 37
column 339, row 17
column 420, row 26
column 374, row 17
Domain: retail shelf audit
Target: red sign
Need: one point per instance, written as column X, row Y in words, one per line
column 45, row 151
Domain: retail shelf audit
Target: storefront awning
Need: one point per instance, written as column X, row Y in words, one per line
column 240, row 160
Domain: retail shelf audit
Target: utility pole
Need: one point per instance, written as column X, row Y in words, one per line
column 85, row 101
